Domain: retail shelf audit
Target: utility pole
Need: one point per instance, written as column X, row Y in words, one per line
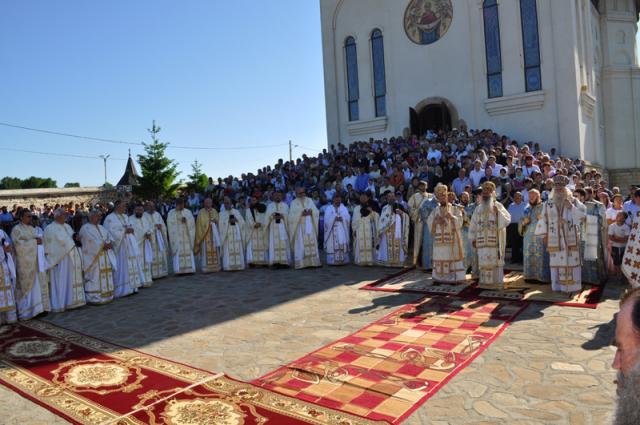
column 104, row 158
column 290, row 151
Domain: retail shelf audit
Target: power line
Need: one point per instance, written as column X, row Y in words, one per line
column 70, row 155
column 309, row 149
column 123, row 142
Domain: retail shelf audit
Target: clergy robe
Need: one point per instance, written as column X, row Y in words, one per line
column 393, row 237
column 426, row 244
column 207, row 241
column 97, row 264
column 415, row 203
column 32, row 282
column 561, row 226
column 536, row 257
column 594, row 243
column 257, row 243
column 233, row 240
column 448, row 248
column 365, row 237
column 65, row 268
column 160, row 245
column 470, row 254
column 304, row 233
column 127, row 276
column 337, row 234
column 143, row 230
column 181, row 239
column 278, row 234
column 488, row 230
column 8, row 313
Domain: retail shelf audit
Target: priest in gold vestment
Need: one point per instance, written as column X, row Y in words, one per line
column 8, row 312
column 232, row 234
column 415, row 203
column 127, row 276
column 393, row 234
column 364, row 224
column 159, row 242
column 257, row 243
column 143, row 231
column 182, row 236
column 277, row 230
column 97, row 261
column 303, row 219
column 207, row 241
column 488, row 236
column 32, row 282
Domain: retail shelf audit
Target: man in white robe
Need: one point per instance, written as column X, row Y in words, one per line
column 159, row 242
column 127, row 276
column 97, row 261
column 232, row 234
column 8, row 313
column 415, row 203
column 143, row 231
column 337, row 232
column 488, row 236
column 303, row 220
column 257, row 243
column 278, row 232
column 393, row 234
column 207, row 242
column 32, row 282
column 559, row 224
column 365, row 232
column 65, row 265
column 445, row 223
column 182, row 236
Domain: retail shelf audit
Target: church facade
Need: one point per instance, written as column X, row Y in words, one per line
column 564, row 73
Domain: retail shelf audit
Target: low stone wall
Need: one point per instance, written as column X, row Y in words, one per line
column 39, row 197
column 624, row 178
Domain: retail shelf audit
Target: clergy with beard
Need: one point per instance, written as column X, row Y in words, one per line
column 182, row 234
column 8, row 313
column 426, row 238
column 159, row 242
column 415, row 203
column 365, row 232
column 278, row 232
column 98, row 260
column 303, row 221
column 445, row 223
column 393, row 234
column 559, row 224
column 65, row 264
column 488, row 235
column 32, row 283
column 232, row 234
column 594, row 240
column 207, row 241
column 127, row 276
column 143, row 231
column 337, row 229
column 257, row 244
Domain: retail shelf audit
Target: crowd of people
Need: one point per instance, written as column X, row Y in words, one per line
column 451, row 203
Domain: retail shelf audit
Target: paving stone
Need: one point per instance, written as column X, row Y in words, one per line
column 487, row 409
column 567, row 367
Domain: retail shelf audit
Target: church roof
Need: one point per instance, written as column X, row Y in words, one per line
column 130, row 176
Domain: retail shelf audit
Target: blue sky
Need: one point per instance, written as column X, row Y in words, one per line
column 210, row 72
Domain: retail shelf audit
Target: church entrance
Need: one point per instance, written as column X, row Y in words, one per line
column 433, row 116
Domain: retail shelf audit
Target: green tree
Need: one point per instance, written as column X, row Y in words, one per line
column 38, row 183
column 72, row 185
column 10, row 183
column 159, row 173
column 197, row 180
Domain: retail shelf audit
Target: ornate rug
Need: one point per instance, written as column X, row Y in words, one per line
column 88, row 381
column 417, row 281
column 390, row 368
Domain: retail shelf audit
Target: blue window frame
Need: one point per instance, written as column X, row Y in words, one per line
column 531, row 45
column 379, row 77
column 353, row 92
column 492, row 48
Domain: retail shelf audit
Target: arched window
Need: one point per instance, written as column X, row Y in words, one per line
column 379, row 78
column 492, row 48
column 530, row 45
column 353, row 93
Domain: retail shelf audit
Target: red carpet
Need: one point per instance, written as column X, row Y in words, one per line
column 390, row 368
column 88, row 381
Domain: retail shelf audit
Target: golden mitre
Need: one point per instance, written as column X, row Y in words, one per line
column 489, row 186
column 441, row 190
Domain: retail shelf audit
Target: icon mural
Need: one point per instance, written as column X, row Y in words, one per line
column 427, row 21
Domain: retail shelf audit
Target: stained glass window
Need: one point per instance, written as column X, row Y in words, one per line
column 492, row 48
column 379, row 79
column 353, row 92
column 530, row 45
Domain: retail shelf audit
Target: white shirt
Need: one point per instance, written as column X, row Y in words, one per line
column 475, row 176
column 612, row 213
column 434, row 154
column 620, row 232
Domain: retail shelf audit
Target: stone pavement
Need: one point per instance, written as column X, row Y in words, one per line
column 551, row 366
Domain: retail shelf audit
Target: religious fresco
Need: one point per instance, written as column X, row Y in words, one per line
column 427, row 21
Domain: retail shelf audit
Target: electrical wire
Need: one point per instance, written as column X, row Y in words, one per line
column 69, row 155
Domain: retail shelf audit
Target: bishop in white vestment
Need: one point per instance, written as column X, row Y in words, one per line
column 182, row 236
column 278, row 232
column 65, row 265
column 127, row 276
column 32, row 282
column 8, row 313
column 393, row 234
column 232, row 233
column 303, row 219
column 143, row 231
column 257, row 242
column 98, row 259
column 488, row 235
column 559, row 224
column 365, row 233
column 337, row 232
column 207, row 243
column 159, row 242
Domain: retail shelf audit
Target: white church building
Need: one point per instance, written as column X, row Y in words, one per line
column 564, row 73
